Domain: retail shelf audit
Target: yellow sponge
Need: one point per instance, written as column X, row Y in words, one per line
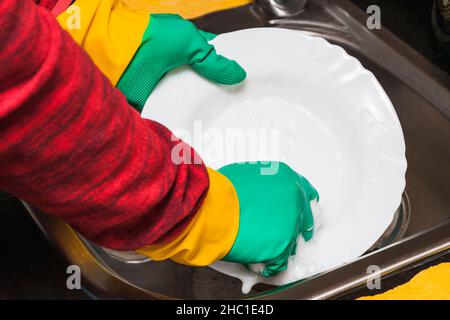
column 430, row 284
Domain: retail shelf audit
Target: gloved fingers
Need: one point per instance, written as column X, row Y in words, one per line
column 208, row 36
column 310, row 191
column 294, row 247
column 307, row 230
column 278, row 264
column 218, row 68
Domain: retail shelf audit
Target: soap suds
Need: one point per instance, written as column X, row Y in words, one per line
column 348, row 173
column 306, row 263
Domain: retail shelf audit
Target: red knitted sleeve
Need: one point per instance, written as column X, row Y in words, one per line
column 71, row 146
column 48, row 4
column 55, row 6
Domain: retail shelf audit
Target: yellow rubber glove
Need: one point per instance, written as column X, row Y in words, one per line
column 188, row 9
column 211, row 233
column 111, row 31
column 135, row 49
column 108, row 30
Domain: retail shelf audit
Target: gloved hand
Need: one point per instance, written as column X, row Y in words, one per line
column 274, row 210
column 247, row 217
column 135, row 49
column 169, row 42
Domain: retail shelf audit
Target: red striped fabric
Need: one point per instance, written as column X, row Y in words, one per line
column 60, row 6
column 48, row 4
column 71, row 145
column 56, row 7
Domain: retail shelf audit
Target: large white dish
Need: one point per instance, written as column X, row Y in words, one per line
column 335, row 124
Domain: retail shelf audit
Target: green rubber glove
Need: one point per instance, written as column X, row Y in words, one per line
column 169, row 42
column 274, row 210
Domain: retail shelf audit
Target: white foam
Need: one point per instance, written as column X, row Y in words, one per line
column 308, row 261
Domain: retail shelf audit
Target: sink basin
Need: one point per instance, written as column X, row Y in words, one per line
column 422, row 225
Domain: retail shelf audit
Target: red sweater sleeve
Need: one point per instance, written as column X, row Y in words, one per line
column 48, row 4
column 55, row 6
column 71, row 146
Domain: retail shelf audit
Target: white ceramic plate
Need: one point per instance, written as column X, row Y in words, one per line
column 321, row 112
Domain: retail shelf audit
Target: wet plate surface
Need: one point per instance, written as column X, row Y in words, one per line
column 315, row 108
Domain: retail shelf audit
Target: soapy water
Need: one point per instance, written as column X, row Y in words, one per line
column 323, row 163
column 285, row 133
column 302, row 265
column 333, row 124
column 347, row 171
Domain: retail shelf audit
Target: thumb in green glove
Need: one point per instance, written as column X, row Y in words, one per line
column 274, row 211
column 169, row 42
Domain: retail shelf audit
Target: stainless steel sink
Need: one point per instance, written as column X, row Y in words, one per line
column 421, row 98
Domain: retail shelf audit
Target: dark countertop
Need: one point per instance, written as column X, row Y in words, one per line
column 32, row 270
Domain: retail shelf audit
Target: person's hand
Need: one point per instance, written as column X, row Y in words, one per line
column 253, row 213
column 274, row 210
column 169, row 42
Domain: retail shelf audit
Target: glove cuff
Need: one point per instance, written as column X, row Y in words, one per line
column 212, row 232
column 108, row 31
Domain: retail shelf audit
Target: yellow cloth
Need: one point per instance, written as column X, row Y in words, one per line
column 212, row 232
column 188, row 9
column 430, row 284
column 109, row 31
